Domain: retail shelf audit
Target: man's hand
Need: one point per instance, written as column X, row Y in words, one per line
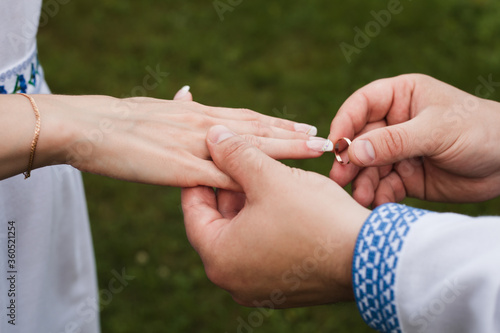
column 288, row 240
column 416, row 136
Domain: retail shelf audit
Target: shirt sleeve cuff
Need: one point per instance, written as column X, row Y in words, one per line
column 375, row 261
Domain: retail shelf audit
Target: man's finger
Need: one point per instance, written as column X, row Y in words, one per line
column 208, row 174
column 386, row 98
column 395, row 143
column 201, row 217
column 244, row 163
column 390, row 189
column 230, row 203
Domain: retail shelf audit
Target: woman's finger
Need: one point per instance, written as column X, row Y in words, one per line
column 289, row 149
column 258, row 128
column 183, row 94
column 249, row 116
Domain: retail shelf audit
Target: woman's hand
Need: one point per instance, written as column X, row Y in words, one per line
column 154, row 141
column 416, row 136
column 288, row 240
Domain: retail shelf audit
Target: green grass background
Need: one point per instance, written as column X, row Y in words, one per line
column 278, row 57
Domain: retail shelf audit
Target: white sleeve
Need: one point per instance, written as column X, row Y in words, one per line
column 418, row 271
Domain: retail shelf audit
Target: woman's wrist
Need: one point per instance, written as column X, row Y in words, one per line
column 71, row 127
column 59, row 127
column 17, row 126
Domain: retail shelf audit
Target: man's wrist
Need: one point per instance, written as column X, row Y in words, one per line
column 341, row 272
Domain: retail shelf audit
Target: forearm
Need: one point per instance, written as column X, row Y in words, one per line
column 17, row 124
column 138, row 139
column 64, row 122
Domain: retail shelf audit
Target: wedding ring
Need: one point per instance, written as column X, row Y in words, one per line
column 337, row 149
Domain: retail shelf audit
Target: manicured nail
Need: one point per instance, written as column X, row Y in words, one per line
column 182, row 92
column 363, row 150
column 305, row 128
column 320, row 144
column 219, row 133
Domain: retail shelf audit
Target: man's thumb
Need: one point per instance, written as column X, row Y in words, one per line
column 244, row 163
column 392, row 144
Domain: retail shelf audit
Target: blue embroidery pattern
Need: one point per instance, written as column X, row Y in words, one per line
column 34, row 73
column 21, row 86
column 375, row 260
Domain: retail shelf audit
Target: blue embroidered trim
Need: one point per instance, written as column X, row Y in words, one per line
column 18, row 74
column 375, row 260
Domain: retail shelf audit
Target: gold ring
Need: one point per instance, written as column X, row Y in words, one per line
column 336, row 149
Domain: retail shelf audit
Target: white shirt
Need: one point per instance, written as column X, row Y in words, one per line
column 47, row 267
column 418, row 271
column 19, row 26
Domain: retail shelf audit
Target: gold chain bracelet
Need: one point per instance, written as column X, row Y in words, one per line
column 35, row 136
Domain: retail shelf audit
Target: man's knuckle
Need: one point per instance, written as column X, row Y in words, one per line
column 234, row 148
column 232, row 153
column 394, row 140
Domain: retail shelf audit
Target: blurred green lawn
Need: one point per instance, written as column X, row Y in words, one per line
column 277, row 57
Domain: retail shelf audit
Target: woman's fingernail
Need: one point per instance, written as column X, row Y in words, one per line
column 363, row 150
column 320, row 144
column 219, row 133
column 182, row 92
column 305, row 128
